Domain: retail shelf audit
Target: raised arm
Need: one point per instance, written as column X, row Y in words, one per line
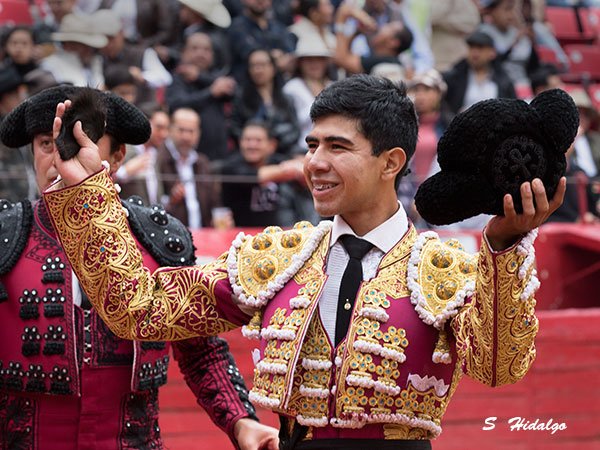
column 495, row 330
column 170, row 304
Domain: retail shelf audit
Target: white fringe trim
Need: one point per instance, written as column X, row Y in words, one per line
column 378, row 314
column 357, row 421
column 250, row 333
column 265, row 402
column 271, row 333
column 275, row 368
column 360, row 420
column 376, row 349
column 280, row 280
column 338, row 361
column 255, row 356
column 441, row 358
column 312, row 421
column 314, row 392
column 423, row 384
column 316, row 364
column 369, row 383
column 299, row 302
column 416, row 295
column 526, row 248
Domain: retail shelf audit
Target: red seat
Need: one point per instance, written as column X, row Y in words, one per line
column 15, row 12
column 584, row 62
column 594, row 92
column 571, row 26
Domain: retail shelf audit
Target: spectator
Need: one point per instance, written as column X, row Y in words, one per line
column 586, row 154
column 262, row 97
column 190, row 192
column 143, row 63
column 76, row 62
column 311, row 77
column 426, row 91
column 255, row 30
column 387, row 43
column 476, row 77
column 451, row 22
column 119, row 80
column 385, row 12
column 514, row 39
column 254, row 200
column 139, row 173
column 57, row 11
column 314, row 23
column 19, row 49
column 197, row 84
column 206, row 16
column 17, row 180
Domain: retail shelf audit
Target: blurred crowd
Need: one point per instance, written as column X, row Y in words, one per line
column 227, row 86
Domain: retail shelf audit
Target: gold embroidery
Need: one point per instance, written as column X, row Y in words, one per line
column 268, row 254
column 444, row 269
column 172, row 304
column 495, row 332
column 404, row 432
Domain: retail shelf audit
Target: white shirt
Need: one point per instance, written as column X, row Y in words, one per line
column 477, row 91
column 384, row 237
column 153, row 70
column 149, row 174
column 185, row 170
column 583, row 156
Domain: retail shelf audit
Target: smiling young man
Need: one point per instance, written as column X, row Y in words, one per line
column 356, row 350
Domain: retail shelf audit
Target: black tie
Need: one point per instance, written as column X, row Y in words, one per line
column 353, row 275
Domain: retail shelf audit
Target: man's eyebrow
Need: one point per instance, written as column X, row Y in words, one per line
column 340, row 139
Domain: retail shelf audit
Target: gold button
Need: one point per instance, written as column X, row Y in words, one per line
column 347, row 306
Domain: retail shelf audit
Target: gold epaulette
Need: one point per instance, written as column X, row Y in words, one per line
column 440, row 276
column 260, row 265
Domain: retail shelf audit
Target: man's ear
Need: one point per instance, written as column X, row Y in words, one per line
column 116, row 158
column 394, row 160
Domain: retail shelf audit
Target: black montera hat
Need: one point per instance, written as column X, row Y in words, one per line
column 493, row 147
column 126, row 123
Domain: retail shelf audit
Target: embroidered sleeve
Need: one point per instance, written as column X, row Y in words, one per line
column 212, row 375
column 169, row 304
column 495, row 329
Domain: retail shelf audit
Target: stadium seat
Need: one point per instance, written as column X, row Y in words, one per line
column 584, row 61
column 15, row 12
column 571, row 25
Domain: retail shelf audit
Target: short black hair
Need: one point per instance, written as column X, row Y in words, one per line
column 405, row 37
column 265, row 125
column 116, row 75
column 385, row 115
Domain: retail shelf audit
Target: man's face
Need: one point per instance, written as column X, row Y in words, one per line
column 185, row 130
column 159, row 123
column 256, row 146
column 258, row 7
column 479, row 57
column 198, row 51
column 43, row 158
column 385, row 40
column 505, row 15
column 60, row 8
column 342, row 173
column 115, row 45
column 313, row 67
column 19, row 47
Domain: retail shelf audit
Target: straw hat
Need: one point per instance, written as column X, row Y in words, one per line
column 212, row 10
column 107, row 22
column 79, row 28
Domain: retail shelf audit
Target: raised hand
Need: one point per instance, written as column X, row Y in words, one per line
column 504, row 231
column 86, row 162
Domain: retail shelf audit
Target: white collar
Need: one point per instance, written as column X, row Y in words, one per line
column 385, row 236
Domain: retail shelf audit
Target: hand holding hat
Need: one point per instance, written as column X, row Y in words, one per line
column 492, row 149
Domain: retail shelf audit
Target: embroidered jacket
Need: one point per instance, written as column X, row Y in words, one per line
column 431, row 314
column 52, row 350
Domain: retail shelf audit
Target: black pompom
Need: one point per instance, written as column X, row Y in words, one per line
column 87, row 106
